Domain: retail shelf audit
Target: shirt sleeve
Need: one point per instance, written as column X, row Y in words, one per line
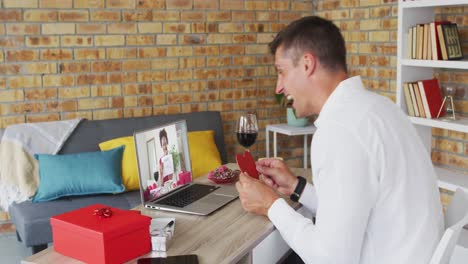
column 309, row 198
column 345, row 193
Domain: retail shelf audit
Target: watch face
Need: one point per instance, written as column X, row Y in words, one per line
column 294, row 196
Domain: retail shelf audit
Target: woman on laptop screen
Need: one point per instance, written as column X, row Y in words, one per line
column 166, row 162
column 163, row 159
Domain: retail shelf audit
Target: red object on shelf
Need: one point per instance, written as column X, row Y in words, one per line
column 432, row 96
column 83, row 235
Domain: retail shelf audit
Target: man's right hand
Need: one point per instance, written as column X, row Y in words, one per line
column 276, row 174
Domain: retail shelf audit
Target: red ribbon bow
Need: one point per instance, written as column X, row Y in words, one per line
column 104, row 212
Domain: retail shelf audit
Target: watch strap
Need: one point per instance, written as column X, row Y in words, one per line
column 299, row 189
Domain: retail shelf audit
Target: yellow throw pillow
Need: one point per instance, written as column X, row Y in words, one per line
column 129, row 161
column 204, row 154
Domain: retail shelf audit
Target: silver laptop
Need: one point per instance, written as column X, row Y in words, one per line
column 165, row 173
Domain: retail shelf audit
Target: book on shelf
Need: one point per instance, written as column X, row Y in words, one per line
column 429, row 43
column 424, row 43
column 409, row 103
column 425, row 103
column 435, row 44
column 413, row 99
column 452, row 41
column 409, row 43
column 419, row 41
column 415, row 43
column 423, row 98
column 431, row 93
column 438, row 40
column 417, row 92
column 443, row 50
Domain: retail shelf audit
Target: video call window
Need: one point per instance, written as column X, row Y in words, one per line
column 163, row 159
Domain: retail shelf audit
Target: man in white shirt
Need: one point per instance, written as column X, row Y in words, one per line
column 375, row 195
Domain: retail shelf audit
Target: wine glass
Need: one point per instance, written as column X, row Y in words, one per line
column 247, row 129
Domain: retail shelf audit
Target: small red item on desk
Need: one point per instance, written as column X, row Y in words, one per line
column 223, row 175
column 247, row 164
column 101, row 234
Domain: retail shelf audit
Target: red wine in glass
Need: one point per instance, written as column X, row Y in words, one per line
column 247, row 129
column 247, row 138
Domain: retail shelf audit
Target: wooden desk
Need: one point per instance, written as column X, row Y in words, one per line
column 229, row 235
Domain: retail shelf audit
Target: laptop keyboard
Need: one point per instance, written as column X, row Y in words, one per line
column 188, row 195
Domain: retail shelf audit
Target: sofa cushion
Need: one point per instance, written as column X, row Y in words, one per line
column 129, row 160
column 79, row 174
column 204, row 155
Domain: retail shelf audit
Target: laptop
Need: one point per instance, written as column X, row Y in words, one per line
column 165, row 174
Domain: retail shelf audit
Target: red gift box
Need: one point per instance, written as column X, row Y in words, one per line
column 94, row 237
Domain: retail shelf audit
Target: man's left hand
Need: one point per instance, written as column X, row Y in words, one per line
column 255, row 196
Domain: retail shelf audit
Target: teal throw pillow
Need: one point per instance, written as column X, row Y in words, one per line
column 79, row 174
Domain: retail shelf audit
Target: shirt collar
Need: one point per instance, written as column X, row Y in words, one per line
column 344, row 87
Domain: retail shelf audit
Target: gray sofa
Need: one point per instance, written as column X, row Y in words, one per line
column 32, row 220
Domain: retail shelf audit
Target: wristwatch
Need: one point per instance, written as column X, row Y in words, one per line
column 299, row 189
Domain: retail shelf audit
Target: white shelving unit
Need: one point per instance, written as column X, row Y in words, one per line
column 411, row 13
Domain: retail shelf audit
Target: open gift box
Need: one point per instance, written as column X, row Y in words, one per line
column 93, row 237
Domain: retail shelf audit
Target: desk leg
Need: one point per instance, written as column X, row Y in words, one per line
column 247, row 259
column 267, row 143
column 305, row 151
column 274, row 144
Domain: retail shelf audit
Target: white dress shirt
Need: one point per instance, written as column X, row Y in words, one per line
column 375, row 194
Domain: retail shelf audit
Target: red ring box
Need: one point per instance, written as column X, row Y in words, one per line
column 87, row 237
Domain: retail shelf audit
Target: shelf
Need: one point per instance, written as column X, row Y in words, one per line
column 431, row 3
column 291, row 130
column 411, row 13
column 460, row 125
column 451, row 179
column 459, row 64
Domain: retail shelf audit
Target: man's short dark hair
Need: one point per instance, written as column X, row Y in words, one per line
column 315, row 35
column 162, row 134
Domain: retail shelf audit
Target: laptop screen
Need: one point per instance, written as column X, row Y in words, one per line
column 163, row 159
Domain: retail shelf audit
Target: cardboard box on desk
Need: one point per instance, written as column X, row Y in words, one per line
column 91, row 238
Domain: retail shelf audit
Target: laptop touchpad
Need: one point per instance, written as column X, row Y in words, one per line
column 216, row 199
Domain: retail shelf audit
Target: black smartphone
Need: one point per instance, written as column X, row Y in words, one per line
column 181, row 259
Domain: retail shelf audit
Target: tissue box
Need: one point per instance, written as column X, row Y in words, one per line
column 161, row 234
column 82, row 235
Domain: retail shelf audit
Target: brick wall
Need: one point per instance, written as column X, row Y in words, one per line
column 100, row 59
